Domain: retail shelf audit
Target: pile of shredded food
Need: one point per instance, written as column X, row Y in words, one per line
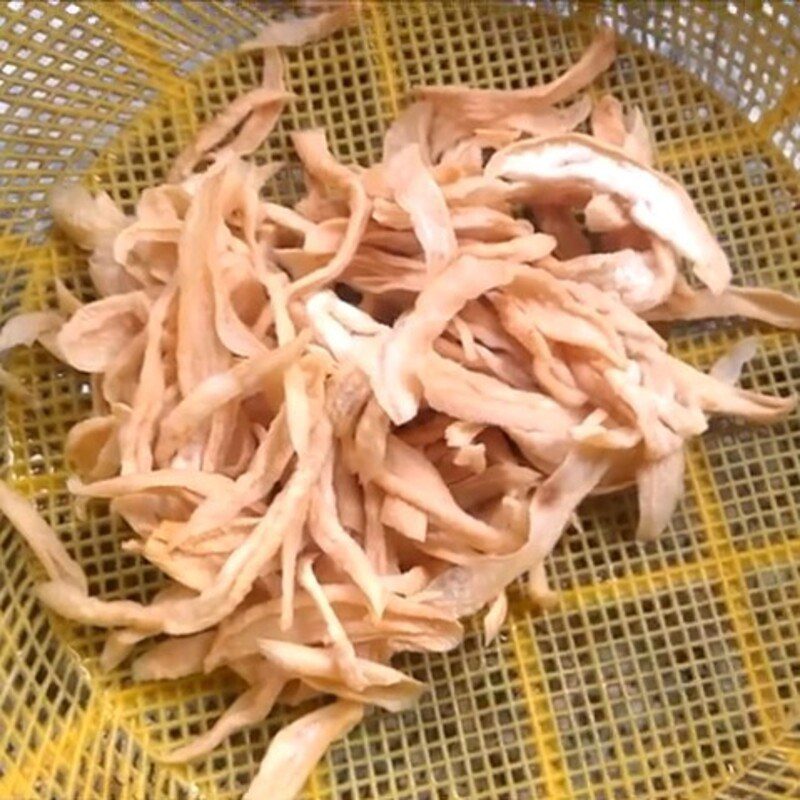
column 340, row 426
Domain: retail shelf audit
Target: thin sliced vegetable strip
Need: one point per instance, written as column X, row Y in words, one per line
column 326, row 482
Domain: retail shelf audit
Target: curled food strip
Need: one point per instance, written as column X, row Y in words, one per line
column 97, row 332
column 294, row 752
column 340, row 426
column 660, row 486
column 300, row 31
column 495, row 617
column 655, row 202
column 383, row 686
column 728, row 368
column 250, row 707
column 92, row 448
column 481, row 107
column 42, row 539
column 334, row 540
column 89, row 221
column 765, row 305
column 412, row 126
column 239, row 382
column 214, row 131
column 463, row 590
column 317, row 159
column 609, row 124
column 467, row 279
column 173, row 658
column 26, row 329
column 417, row 193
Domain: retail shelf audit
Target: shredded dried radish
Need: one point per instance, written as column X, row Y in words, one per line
column 328, row 483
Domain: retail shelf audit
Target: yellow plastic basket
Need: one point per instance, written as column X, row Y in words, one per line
column 670, row 670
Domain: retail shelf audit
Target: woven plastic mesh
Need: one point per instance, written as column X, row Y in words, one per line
column 667, row 670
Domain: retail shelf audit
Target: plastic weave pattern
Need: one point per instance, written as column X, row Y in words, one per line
column 667, row 671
